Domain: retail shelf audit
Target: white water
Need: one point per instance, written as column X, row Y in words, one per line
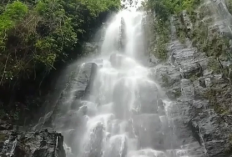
column 127, row 114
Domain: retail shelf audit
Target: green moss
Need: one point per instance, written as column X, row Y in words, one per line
column 212, row 95
column 182, row 36
column 214, row 65
column 162, row 37
column 193, row 78
column 181, row 30
column 230, row 143
column 3, row 136
column 164, row 8
column 221, row 110
column 177, row 93
column 229, row 5
column 206, row 40
column 203, row 11
column 161, row 51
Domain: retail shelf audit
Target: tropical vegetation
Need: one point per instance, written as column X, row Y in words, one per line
column 34, row 34
column 37, row 37
column 165, row 8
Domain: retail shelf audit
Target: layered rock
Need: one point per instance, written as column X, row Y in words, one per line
column 201, row 99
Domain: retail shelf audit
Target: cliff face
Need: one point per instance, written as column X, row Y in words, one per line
column 197, row 77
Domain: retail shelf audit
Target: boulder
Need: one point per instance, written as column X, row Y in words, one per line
column 166, row 75
column 85, row 79
column 117, row 146
column 32, row 144
column 93, row 147
column 191, row 70
column 148, row 129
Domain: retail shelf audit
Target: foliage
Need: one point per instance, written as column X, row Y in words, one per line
column 164, row 8
column 36, row 34
column 212, row 94
column 214, row 65
column 162, row 31
column 180, row 28
column 161, row 51
column 208, row 40
column 229, row 5
column 97, row 6
column 203, row 35
column 157, row 33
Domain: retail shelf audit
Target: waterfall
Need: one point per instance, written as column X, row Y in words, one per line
column 123, row 112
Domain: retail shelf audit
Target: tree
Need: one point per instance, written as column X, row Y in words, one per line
column 34, row 34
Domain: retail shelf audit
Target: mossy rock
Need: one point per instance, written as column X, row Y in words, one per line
column 3, row 136
column 214, row 65
column 229, row 5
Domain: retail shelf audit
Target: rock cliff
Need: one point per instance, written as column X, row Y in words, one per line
column 200, row 83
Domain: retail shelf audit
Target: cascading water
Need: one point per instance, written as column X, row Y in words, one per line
column 126, row 112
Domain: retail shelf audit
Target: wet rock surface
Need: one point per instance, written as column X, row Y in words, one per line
column 78, row 86
column 201, row 108
column 92, row 47
column 29, row 144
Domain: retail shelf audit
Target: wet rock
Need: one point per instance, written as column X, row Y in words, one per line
column 200, row 104
column 95, row 142
column 174, row 92
column 174, row 46
column 202, row 82
column 187, row 20
column 85, row 80
column 91, row 78
column 145, row 97
column 33, row 144
column 194, row 149
column 77, row 89
column 200, row 88
column 148, row 129
column 122, row 40
column 117, row 146
column 182, row 132
column 5, row 125
column 148, row 97
column 187, row 89
column 209, row 126
column 116, row 60
column 90, row 48
column 200, row 115
column 191, row 70
column 167, row 76
column 153, row 59
column 82, row 83
column 186, row 55
column 120, row 99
